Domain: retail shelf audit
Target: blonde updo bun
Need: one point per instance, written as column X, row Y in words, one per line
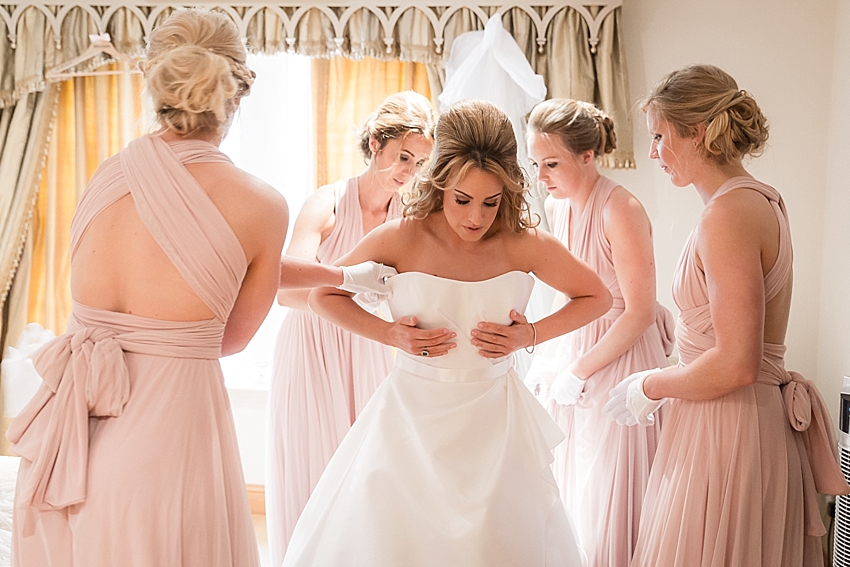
column 706, row 95
column 399, row 114
column 195, row 70
column 580, row 125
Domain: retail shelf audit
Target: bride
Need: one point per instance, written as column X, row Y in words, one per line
column 449, row 463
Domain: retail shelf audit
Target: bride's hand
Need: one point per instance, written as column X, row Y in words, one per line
column 403, row 334
column 494, row 340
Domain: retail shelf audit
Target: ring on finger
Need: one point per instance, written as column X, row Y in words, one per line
column 425, row 352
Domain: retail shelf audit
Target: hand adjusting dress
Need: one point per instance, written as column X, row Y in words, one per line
column 734, row 480
column 129, row 453
column 449, row 462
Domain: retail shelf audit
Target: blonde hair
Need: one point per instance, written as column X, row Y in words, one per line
column 399, row 115
column 579, row 125
column 473, row 133
column 707, row 95
column 195, row 69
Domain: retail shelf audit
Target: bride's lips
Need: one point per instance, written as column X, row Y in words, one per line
column 473, row 230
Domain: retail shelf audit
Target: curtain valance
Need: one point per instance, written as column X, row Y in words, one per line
column 575, row 47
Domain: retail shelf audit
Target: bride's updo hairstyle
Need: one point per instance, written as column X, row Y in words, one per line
column 473, row 133
column 705, row 94
column 399, row 115
column 195, row 70
column 579, row 125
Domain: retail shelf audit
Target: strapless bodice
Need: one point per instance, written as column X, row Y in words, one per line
column 458, row 305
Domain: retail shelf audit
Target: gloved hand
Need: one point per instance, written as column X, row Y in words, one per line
column 541, row 374
column 367, row 277
column 628, row 404
column 567, row 388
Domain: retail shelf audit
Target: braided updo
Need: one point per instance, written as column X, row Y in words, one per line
column 580, row 125
column 195, row 69
column 705, row 94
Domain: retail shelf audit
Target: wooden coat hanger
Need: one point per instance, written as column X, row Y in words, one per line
column 100, row 45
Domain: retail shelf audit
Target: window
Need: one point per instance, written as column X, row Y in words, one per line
column 271, row 137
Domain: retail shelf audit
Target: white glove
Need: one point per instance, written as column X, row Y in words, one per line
column 541, row 374
column 567, row 388
column 641, row 407
column 367, row 277
column 628, row 404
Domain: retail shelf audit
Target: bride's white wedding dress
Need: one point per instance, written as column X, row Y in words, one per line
column 449, row 462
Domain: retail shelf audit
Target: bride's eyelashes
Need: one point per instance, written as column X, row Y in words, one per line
column 486, row 204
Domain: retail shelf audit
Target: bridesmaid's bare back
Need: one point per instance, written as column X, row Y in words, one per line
column 118, row 265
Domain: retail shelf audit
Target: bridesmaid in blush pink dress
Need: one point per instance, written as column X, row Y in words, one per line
column 129, row 454
column 323, row 375
column 602, row 468
column 746, row 445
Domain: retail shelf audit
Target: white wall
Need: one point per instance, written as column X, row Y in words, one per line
column 834, row 336
column 782, row 52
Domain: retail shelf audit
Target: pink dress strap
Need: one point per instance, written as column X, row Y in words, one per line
column 348, row 228
column 590, row 244
column 183, row 219
column 778, row 275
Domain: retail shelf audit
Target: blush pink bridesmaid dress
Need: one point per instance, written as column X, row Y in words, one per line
column 602, row 468
column 735, row 479
column 129, row 453
column 322, row 378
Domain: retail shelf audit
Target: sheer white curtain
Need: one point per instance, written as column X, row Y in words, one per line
column 271, row 137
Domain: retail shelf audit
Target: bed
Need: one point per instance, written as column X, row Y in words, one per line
column 8, row 476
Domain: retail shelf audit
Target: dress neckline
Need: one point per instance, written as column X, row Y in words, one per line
column 462, row 281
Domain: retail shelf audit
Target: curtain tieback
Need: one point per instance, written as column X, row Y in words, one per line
column 84, row 375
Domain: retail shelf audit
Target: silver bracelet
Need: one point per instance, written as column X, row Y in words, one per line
column 533, row 341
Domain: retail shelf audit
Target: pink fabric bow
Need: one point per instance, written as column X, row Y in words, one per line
column 808, row 414
column 84, row 375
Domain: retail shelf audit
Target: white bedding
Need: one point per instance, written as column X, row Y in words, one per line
column 8, row 476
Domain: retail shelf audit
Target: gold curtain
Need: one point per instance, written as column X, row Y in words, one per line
column 27, row 105
column 95, row 118
column 345, row 92
column 566, row 61
column 26, row 111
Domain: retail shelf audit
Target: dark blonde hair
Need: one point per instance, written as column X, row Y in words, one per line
column 399, row 115
column 473, row 133
column 579, row 125
column 707, row 95
column 195, row 69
